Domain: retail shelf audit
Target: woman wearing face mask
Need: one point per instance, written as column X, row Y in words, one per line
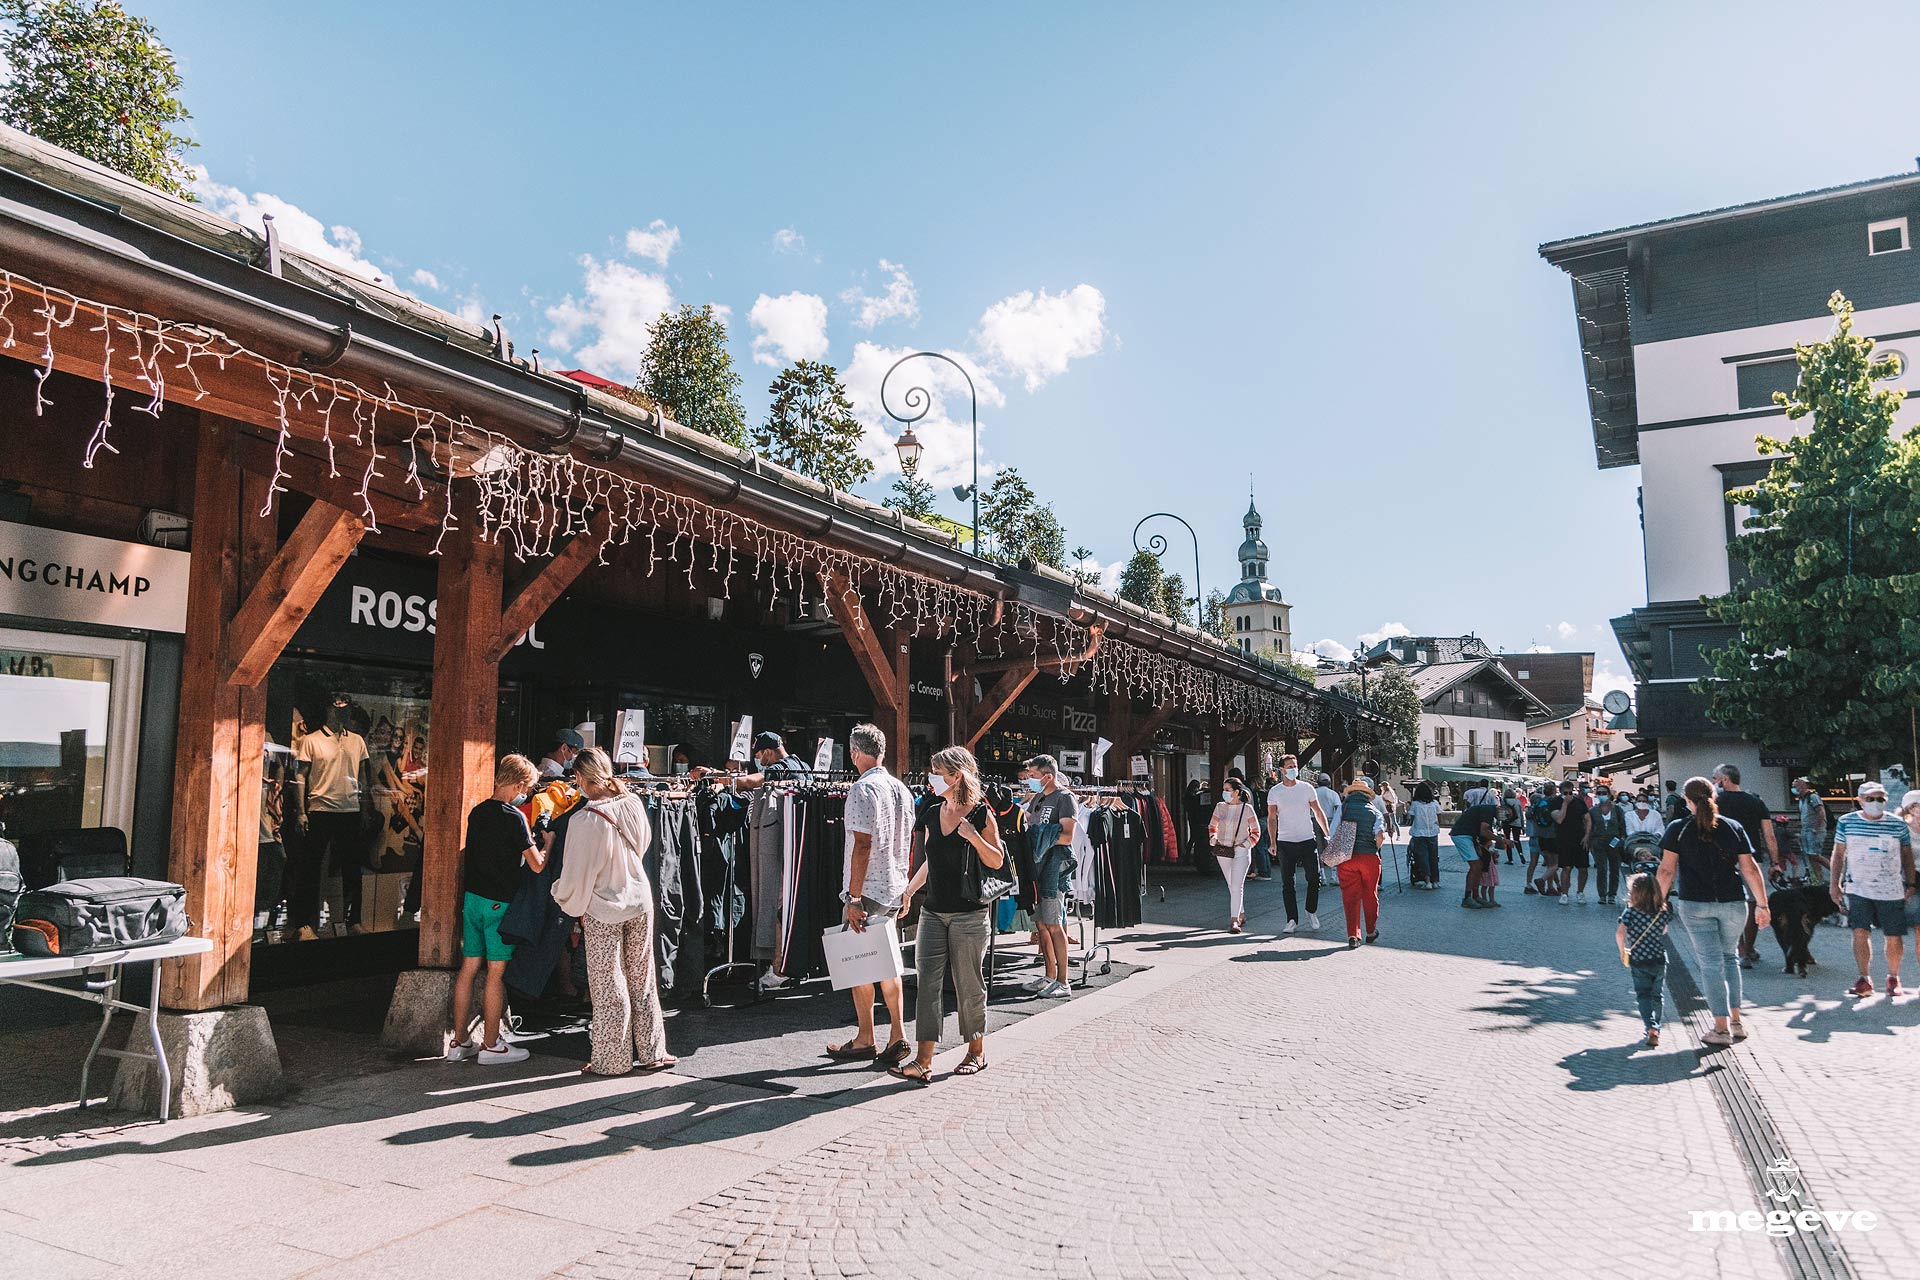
column 953, row 930
column 1234, row 831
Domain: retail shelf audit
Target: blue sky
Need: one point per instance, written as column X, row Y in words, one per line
column 1185, row 246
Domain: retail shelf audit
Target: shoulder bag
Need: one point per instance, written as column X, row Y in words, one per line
column 1239, row 830
column 981, row 884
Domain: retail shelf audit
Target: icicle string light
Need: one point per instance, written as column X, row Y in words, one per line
column 534, row 501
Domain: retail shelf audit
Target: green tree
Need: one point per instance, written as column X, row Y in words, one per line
column 1826, row 650
column 89, row 76
column 1079, row 557
column 687, row 367
column 1215, row 620
column 1173, row 597
column 911, row 496
column 811, row 428
column 1392, row 692
column 1013, row 516
column 1141, row 581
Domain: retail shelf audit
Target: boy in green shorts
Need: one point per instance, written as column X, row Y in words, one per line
column 498, row 842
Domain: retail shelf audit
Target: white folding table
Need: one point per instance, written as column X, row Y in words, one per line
column 99, row 972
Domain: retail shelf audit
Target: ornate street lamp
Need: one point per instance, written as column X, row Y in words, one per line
column 1157, row 546
column 908, row 446
column 918, row 401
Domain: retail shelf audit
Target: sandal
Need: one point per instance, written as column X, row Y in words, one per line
column 971, row 1066
column 851, row 1052
column 660, row 1065
column 913, row 1073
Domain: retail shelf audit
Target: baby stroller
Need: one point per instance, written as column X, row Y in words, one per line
column 1642, row 853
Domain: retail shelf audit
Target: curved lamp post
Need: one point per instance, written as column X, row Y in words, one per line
column 1157, row 546
column 918, row 401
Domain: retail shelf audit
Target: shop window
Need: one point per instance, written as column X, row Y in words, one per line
column 67, row 744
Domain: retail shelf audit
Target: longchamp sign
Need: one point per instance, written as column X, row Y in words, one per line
column 73, row 577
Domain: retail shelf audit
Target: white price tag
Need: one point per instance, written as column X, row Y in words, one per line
column 630, row 737
column 823, row 756
column 1100, row 748
column 742, row 738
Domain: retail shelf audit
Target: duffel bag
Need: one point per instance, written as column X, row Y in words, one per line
column 75, row 917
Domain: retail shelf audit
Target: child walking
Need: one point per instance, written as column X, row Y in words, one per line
column 1642, row 939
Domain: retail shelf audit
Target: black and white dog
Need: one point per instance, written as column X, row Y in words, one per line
column 1797, row 912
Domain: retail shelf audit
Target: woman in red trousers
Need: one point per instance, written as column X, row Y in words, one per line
column 1360, row 873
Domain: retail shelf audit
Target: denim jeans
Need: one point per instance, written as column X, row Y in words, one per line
column 1298, row 855
column 1713, row 928
column 1649, row 981
column 1606, row 866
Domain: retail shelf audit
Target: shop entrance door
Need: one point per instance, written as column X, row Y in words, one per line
column 69, row 731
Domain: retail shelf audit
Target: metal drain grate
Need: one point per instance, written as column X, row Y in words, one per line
column 1809, row 1255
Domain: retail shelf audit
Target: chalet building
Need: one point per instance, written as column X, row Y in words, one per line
column 249, row 495
column 1473, row 712
column 1564, row 681
column 1686, row 329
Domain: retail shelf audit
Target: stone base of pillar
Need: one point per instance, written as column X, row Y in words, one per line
column 422, row 1010
column 219, row 1059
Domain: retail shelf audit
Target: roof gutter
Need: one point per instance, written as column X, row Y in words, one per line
column 74, row 237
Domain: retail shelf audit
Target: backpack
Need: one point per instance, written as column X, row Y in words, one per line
column 12, row 884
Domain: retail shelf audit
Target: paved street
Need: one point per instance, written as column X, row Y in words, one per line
column 1463, row 1099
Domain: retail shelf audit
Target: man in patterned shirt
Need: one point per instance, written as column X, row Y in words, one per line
column 1872, row 876
column 879, row 845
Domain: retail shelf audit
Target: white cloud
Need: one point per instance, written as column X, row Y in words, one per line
column 1108, row 574
column 945, row 431
column 1035, row 335
column 1387, row 631
column 901, row 301
column 1606, row 678
column 790, row 327
column 1330, row 649
column 656, row 240
column 1538, row 648
column 426, row 279
column 788, row 240
column 1566, row 630
column 620, row 302
column 338, row 246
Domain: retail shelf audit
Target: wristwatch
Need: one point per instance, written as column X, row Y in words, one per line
column 848, row 897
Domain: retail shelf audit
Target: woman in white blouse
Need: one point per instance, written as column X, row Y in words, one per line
column 603, row 882
column 1234, row 831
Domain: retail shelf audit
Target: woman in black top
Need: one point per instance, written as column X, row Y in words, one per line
column 1709, row 857
column 953, row 930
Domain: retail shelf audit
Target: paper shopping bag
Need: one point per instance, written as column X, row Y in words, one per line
column 857, row 959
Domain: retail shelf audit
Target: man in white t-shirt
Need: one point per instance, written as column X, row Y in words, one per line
column 335, row 803
column 874, row 871
column 1295, row 818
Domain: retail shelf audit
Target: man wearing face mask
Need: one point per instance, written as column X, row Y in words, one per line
column 1872, row 877
column 770, row 754
column 1051, row 812
column 1297, row 820
column 1751, row 812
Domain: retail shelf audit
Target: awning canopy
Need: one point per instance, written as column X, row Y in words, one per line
column 1620, row 761
column 1447, row 773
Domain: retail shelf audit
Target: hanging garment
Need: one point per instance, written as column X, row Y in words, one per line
column 766, row 837
column 1118, row 837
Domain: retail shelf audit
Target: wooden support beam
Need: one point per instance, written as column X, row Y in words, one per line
column 308, row 473
column 1140, row 733
column 466, row 681
column 533, row 597
column 900, row 728
column 960, row 699
column 869, row 650
column 998, row 701
column 221, row 735
column 292, row 584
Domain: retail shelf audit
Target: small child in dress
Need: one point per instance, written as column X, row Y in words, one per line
column 1490, row 879
column 1642, row 939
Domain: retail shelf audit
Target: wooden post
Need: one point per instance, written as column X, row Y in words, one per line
column 466, row 679
column 901, row 726
column 215, row 847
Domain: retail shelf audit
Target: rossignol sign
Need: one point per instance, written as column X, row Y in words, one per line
column 73, row 577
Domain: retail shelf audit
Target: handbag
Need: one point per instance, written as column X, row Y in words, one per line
column 1339, row 844
column 1240, row 829
column 980, row 884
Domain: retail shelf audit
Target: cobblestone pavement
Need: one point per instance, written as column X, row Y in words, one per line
column 1461, row 1100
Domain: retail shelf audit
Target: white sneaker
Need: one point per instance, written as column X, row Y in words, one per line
column 771, row 981
column 1290, row 927
column 1059, row 991
column 1565, row 899
column 503, row 1054
column 1313, row 922
column 460, row 1052
column 1040, row 983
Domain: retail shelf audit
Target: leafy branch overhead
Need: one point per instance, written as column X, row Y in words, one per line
column 687, row 367
column 89, row 76
column 1825, row 650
